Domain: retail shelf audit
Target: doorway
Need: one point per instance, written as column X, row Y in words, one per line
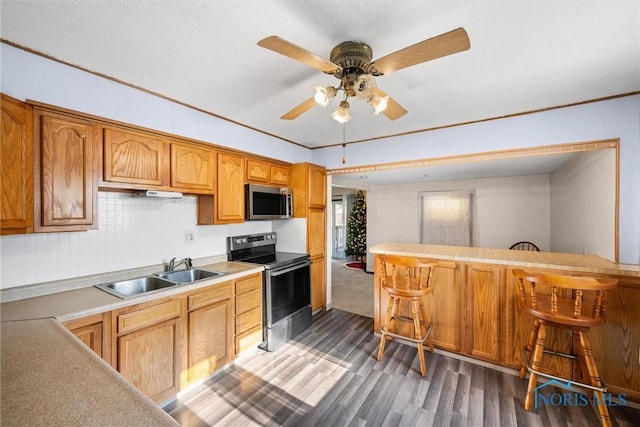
column 338, row 232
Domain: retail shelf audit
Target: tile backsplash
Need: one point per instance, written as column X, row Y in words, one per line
column 132, row 232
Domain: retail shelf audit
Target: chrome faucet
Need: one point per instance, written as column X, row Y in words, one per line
column 187, row 264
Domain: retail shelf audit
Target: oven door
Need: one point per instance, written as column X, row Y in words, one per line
column 289, row 290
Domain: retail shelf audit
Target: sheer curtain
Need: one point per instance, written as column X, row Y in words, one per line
column 447, row 217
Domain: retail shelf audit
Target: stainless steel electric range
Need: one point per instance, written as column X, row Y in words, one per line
column 286, row 286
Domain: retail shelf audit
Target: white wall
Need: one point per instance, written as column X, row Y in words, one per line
column 615, row 118
column 509, row 210
column 583, row 205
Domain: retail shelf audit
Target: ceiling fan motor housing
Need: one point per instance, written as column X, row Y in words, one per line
column 354, row 57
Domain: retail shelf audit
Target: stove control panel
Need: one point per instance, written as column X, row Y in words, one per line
column 250, row 241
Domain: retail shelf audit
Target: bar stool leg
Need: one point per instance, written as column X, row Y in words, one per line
column 529, row 347
column 385, row 326
column 535, row 364
column 425, row 317
column 415, row 313
column 594, row 378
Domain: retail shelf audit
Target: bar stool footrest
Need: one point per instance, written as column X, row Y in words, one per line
column 525, row 359
column 404, row 337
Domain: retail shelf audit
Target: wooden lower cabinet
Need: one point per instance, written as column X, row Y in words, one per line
column 483, row 292
column 210, row 330
column 95, row 332
column 444, row 307
column 248, row 316
column 149, row 346
column 318, row 283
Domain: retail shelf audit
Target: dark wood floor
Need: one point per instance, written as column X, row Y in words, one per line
column 328, row 376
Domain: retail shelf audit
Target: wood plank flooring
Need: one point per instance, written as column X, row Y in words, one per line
column 329, row 376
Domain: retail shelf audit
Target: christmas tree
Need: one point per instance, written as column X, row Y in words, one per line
column 356, row 244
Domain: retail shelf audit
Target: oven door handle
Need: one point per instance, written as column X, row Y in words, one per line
column 287, row 270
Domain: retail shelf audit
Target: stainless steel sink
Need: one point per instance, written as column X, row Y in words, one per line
column 134, row 287
column 189, row 276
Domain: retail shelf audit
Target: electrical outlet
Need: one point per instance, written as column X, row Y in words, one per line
column 189, row 236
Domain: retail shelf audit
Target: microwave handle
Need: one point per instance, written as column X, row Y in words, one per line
column 288, row 205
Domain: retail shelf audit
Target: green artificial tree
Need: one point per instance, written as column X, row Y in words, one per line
column 356, row 244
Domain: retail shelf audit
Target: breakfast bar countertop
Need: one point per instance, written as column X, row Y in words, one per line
column 592, row 264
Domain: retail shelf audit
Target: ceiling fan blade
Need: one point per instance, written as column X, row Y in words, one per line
column 298, row 53
column 436, row 47
column 298, row 110
column 394, row 110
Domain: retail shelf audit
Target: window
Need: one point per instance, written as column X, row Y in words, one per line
column 447, row 217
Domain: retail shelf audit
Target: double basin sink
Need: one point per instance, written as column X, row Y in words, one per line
column 143, row 285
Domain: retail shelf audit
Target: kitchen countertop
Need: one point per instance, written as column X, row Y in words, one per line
column 547, row 260
column 49, row 377
column 78, row 303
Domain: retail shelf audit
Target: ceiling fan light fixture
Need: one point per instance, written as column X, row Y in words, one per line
column 342, row 114
column 379, row 103
column 324, row 94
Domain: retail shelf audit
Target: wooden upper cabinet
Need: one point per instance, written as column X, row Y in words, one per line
column 66, row 166
column 193, row 168
column 309, row 188
column 135, row 158
column 229, row 198
column 16, row 173
column 280, row 175
column 317, row 186
column 264, row 172
column 258, row 171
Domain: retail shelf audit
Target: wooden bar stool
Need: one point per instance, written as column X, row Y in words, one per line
column 406, row 280
column 570, row 302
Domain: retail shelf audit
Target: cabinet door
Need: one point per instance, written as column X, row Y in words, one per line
column 89, row 331
column 150, row 359
column 280, row 175
column 134, row 158
column 66, row 190
column 192, row 168
column 230, row 188
column 318, row 283
column 317, row 186
column 210, row 339
column 16, row 173
column 258, row 171
column 483, row 311
column 316, row 232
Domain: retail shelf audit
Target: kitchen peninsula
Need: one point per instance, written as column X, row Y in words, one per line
column 475, row 313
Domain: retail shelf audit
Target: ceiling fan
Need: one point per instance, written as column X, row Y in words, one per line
column 350, row 62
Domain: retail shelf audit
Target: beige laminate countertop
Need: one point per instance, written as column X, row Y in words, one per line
column 50, row 378
column 547, row 260
column 78, row 303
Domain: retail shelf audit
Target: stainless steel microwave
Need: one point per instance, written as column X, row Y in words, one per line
column 264, row 202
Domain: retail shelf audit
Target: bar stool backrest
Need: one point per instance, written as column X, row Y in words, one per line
column 572, row 301
column 407, row 274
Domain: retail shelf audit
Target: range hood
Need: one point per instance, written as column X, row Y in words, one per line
column 159, row 194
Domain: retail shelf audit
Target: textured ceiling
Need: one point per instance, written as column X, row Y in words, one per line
column 524, row 55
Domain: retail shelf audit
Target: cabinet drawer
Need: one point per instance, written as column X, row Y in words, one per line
column 248, row 301
column 128, row 322
column 248, row 320
column 248, row 284
column 249, row 339
column 209, row 296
